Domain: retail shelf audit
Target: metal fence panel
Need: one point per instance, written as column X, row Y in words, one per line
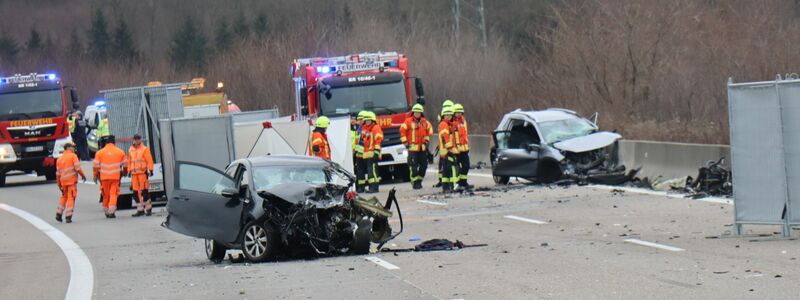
column 759, row 179
column 168, row 165
column 255, row 116
column 790, row 110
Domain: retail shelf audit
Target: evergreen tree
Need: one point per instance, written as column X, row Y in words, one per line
column 224, row 36
column 240, row 26
column 34, row 43
column 123, row 47
column 75, row 47
column 99, row 39
column 8, row 48
column 188, row 49
column 261, row 24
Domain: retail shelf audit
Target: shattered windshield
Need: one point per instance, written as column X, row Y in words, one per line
column 267, row 177
column 559, row 130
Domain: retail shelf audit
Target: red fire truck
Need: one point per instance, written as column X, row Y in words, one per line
column 344, row 85
column 33, row 123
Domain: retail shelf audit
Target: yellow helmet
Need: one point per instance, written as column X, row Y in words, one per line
column 322, row 122
column 370, row 116
column 362, row 114
column 458, row 108
column 447, row 111
column 417, row 108
column 447, row 103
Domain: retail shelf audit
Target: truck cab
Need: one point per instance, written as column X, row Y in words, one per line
column 342, row 86
column 33, row 123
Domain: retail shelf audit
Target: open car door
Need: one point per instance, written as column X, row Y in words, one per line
column 513, row 158
column 197, row 206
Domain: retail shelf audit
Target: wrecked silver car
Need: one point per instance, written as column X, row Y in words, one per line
column 554, row 144
column 276, row 205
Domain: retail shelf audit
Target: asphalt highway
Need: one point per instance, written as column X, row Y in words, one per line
column 542, row 243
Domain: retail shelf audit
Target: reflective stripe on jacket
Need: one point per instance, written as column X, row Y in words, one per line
column 416, row 134
column 321, row 141
column 139, row 160
column 68, row 166
column 372, row 136
column 109, row 162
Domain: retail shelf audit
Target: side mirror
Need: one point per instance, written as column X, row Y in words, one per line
column 534, row 147
column 420, row 91
column 304, row 101
column 230, row 193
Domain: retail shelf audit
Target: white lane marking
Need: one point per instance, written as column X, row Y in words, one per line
column 654, row 245
column 432, row 202
column 81, row 275
column 382, row 263
column 525, row 219
column 660, row 193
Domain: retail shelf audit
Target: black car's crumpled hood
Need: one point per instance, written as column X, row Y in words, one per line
column 590, row 142
column 321, row 195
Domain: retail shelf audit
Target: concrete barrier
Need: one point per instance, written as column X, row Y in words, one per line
column 479, row 147
column 669, row 160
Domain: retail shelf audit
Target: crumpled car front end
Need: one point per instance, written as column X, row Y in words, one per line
column 593, row 158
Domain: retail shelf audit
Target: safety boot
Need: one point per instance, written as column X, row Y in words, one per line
column 360, row 188
column 58, row 217
column 447, row 187
column 148, row 212
column 464, row 185
column 138, row 214
column 373, row 188
column 69, row 219
column 417, row 185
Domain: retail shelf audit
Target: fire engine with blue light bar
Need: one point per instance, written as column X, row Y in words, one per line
column 33, row 123
column 341, row 86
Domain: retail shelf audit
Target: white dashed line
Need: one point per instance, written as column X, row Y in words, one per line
column 654, row 245
column 81, row 275
column 525, row 220
column 432, row 202
column 382, row 263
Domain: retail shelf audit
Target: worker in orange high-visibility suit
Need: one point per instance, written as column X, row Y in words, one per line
column 462, row 143
column 415, row 134
column 319, row 145
column 109, row 166
column 447, row 149
column 68, row 167
column 372, row 136
column 140, row 166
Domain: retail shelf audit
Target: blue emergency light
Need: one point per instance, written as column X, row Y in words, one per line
column 51, row 76
column 99, row 103
column 323, row 69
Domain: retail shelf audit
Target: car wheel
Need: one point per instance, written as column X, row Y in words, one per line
column 50, row 175
column 502, row 180
column 125, row 202
column 362, row 238
column 215, row 251
column 548, row 171
column 2, row 179
column 259, row 241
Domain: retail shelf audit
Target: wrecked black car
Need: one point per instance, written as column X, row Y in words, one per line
column 555, row 144
column 271, row 205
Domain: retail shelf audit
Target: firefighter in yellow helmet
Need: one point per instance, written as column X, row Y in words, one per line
column 447, row 149
column 358, row 151
column 447, row 103
column 462, row 143
column 415, row 133
column 372, row 136
column 319, row 145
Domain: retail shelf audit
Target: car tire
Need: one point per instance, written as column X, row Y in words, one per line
column 362, row 238
column 125, row 202
column 2, row 179
column 548, row 171
column 501, row 180
column 215, row 251
column 260, row 241
column 50, row 175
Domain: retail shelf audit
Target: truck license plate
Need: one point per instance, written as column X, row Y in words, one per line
column 34, row 149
